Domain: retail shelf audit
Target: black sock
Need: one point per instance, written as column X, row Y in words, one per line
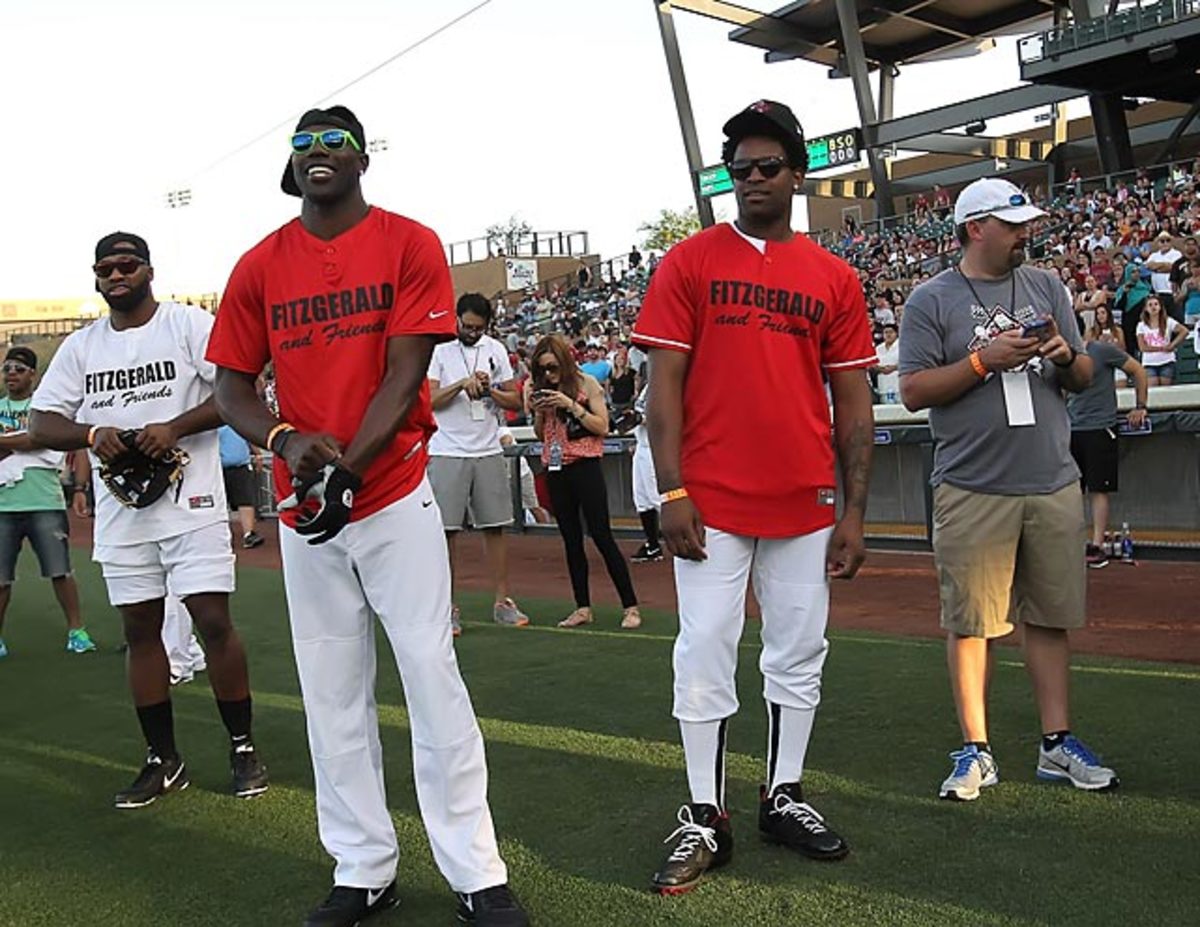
column 650, row 527
column 236, row 716
column 980, row 744
column 1053, row 739
column 158, row 727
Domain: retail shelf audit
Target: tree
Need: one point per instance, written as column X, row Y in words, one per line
column 669, row 228
column 508, row 235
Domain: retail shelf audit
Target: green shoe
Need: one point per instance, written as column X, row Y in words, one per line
column 78, row 641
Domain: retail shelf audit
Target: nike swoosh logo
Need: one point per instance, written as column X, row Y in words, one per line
column 167, row 783
column 374, row 896
column 426, row 505
column 1063, row 766
column 438, row 315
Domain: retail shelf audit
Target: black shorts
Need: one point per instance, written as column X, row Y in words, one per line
column 1096, row 454
column 240, row 486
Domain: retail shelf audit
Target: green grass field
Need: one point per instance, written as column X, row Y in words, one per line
column 586, row 776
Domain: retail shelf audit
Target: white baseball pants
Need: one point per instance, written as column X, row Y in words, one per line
column 392, row 564
column 793, row 592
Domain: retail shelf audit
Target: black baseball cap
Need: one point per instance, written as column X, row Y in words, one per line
column 340, row 117
column 770, row 119
column 22, row 355
column 122, row 243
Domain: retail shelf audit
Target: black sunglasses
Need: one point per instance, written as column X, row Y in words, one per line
column 126, row 266
column 742, row 168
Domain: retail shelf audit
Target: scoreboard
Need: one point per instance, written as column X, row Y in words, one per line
column 829, row 151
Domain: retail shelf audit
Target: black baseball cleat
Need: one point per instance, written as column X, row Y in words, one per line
column 252, row 539
column 249, row 772
column 784, row 817
column 491, row 907
column 157, row 777
column 703, row 841
column 348, row 907
column 647, row 554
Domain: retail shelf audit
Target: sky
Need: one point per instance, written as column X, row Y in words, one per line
column 557, row 111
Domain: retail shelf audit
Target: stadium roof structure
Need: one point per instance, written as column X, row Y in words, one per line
column 892, row 31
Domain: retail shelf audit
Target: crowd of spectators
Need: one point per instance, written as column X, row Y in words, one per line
column 1116, row 245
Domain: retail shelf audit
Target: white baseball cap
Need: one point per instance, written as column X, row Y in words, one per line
column 991, row 196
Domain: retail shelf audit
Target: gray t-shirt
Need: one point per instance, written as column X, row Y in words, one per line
column 974, row 446
column 1096, row 406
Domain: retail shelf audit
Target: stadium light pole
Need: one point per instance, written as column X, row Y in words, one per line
column 683, row 107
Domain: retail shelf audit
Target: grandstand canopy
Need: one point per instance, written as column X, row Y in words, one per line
column 893, row 31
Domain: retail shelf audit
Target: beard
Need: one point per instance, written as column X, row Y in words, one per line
column 470, row 340
column 1016, row 258
column 128, row 301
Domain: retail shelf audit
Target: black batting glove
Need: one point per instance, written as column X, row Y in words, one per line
column 335, row 489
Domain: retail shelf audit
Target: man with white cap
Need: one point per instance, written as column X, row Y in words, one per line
column 988, row 347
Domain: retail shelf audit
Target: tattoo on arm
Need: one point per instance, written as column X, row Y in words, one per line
column 855, row 444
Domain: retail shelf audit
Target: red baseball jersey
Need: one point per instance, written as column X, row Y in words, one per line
column 761, row 323
column 323, row 311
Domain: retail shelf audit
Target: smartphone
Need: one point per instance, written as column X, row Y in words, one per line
column 1038, row 328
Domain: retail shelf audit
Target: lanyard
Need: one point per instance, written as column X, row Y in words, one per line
column 1012, row 299
column 475, row 365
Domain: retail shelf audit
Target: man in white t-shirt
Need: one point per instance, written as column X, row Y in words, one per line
column 1161, row 263
column 888, row 352
column 470, row 379
column 143, row 368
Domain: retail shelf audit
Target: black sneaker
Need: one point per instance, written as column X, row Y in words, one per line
column 491, row 907
column 249, row 773
column 647, row 554
column 1095, row 557
column 703, row 841
column 784, row 817
column 157, row 777
column 252, row 539
column 347, row 907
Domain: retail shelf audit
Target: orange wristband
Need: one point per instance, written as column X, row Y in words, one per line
column 977, row 365
column 673, row 495
column 274, row 432
column 91, row 438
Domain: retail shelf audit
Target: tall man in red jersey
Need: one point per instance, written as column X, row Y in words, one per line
column 361, row 295
column 744, row 323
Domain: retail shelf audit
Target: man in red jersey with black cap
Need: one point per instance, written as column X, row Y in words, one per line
column 745, row 323
column 360, row 296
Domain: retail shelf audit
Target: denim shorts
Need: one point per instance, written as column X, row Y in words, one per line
column 48, row 534
column 1162, row 371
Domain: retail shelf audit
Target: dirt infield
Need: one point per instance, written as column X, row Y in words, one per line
column 1145, row 612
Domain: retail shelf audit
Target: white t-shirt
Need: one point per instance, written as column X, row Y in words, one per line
column 460, row 434
column 1154, row 339
column 1161, row 283
column 130, row 379
column 889, row 383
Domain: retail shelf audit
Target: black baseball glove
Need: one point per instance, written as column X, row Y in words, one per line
column 138, row 481
column 333, row 490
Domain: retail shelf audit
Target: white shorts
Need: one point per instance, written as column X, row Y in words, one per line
column 187, row 564
column 645, row 481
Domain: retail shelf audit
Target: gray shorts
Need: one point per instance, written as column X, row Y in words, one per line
column 48, row 536
column 472, row 490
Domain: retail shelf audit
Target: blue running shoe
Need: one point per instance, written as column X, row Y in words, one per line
column 974, row 769
column 1072, row 761
column 79, row 641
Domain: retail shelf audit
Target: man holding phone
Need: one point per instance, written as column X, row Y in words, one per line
column 989, row 347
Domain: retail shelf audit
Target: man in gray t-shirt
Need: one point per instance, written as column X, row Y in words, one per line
column 989, row 347
column 1094, row 435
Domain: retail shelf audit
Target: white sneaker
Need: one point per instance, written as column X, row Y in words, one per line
column 1072, row 761
column 974, row 769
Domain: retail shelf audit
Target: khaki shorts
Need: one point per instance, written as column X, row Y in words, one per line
column 1007, row 559
column 474, row 490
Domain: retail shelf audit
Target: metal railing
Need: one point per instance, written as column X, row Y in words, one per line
column 1082, row 185
column 1087, row 33
column 526, row 245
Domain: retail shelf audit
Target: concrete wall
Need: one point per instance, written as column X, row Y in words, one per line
column 489, row 277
